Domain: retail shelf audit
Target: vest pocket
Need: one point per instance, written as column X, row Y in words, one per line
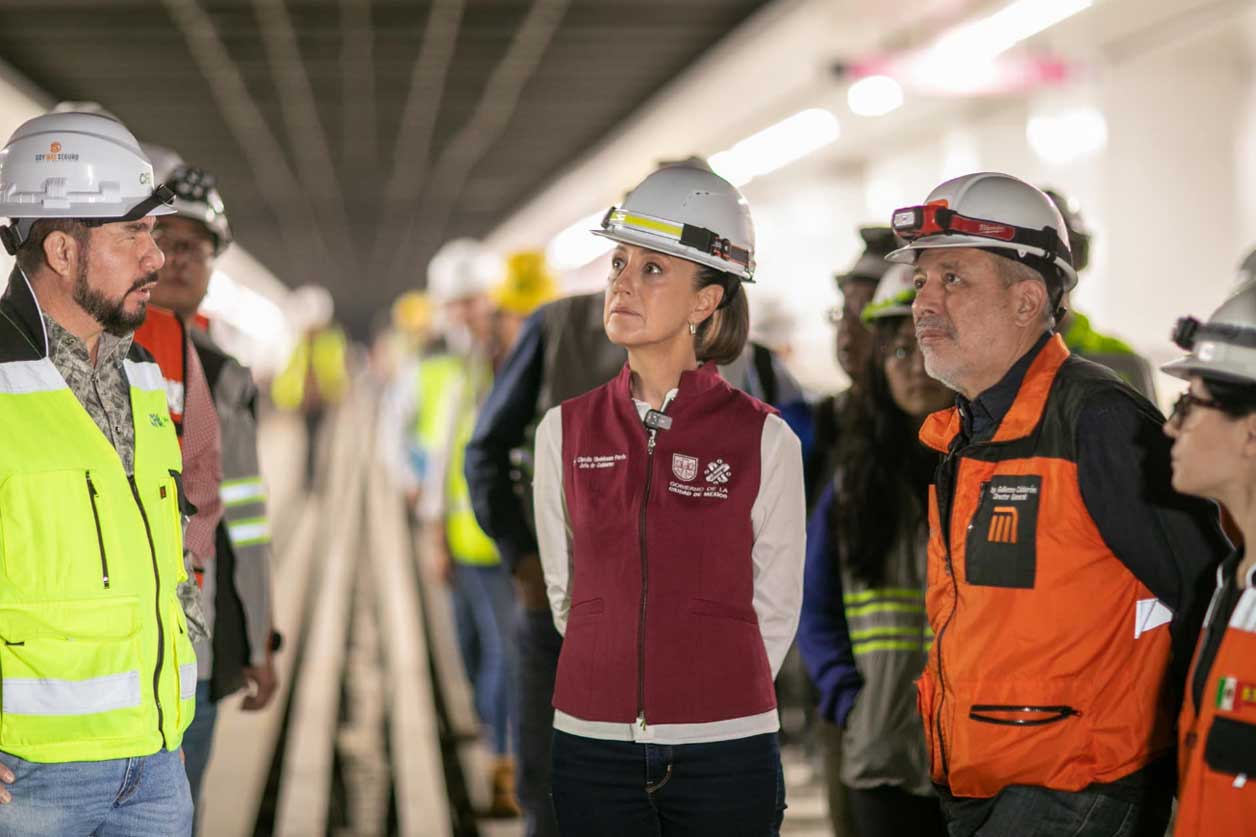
column 1000, row 547
column 52, row 534
column 71, row 673
column 1019, row 716
column 184, row 663
column 1231, row 747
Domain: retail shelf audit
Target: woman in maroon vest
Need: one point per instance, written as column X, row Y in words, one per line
column 670, row 518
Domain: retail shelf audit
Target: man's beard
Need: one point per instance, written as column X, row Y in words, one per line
column 111, row 314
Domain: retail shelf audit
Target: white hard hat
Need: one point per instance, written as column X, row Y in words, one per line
column 195, row 192
column 311, row 306
column 75, row 165
column 894, row 295
column 687, row 212
column 1225, row 346
column 462, row 268
column 989, row 210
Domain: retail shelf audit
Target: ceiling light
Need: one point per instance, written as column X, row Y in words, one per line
column 1019, row 21
column 575, row 246
column 874, row 96
column 1067, row 136
column 772, row 148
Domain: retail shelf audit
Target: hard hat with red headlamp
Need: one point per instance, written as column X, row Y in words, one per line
column 995, row 212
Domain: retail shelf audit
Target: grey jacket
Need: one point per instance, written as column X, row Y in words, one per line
column 239, row 589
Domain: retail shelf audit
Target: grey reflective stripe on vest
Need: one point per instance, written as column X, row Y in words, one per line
column 23, row 377
column 248, row 532
column 38, row 696
column 242, row 492
column 187, row 681
column 146, row 376
column 887, row 619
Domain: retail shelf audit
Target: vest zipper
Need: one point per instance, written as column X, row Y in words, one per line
column 645, row 580
column 161, row 633
column 950, row 572
column 92, row 494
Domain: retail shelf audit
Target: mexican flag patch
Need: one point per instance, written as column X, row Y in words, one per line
column 1227, row 689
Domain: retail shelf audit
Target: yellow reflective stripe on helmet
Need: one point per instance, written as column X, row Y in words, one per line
column 242, row 492
column 647, row 223
column 49, row 696
column 249, row 532
column 883, row 593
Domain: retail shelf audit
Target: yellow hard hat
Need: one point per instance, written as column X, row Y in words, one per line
column 412, row 312
column 528, row 283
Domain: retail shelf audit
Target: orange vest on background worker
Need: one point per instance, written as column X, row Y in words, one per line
column 1040, row 673
column 1217, row 753
column 163, row 335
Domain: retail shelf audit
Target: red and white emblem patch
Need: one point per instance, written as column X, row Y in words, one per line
column 684, row 467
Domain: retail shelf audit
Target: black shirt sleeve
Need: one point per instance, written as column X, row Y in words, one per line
column 1170, row 542
column 501, row 427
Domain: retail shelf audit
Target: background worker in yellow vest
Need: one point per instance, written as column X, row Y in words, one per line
column 451, row 384
column 316, row 377
column 99, row 673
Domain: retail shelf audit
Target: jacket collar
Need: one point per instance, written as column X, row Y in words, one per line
column 20, row 308
column 693, row 383
column 1022, row 415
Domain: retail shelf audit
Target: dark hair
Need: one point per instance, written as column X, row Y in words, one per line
column 1235, row 399
column 721, row 338
column 30, row 255
column 879, row 464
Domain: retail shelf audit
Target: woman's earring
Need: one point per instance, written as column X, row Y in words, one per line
column 693, row 329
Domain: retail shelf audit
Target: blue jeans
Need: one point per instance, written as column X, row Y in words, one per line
column 137, row 797
column 197, row 741
column 539, row 646
column 627, row 789
column 484, row 601
column 1028, row 811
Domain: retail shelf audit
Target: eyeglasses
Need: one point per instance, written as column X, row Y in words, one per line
column 1185, row 403
column 188, row 248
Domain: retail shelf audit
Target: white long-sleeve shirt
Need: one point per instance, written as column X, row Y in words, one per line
column 778, row 521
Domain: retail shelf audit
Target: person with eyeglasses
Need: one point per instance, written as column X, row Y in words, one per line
column 863, row 634
column 1213, row 428
column 1067, row 579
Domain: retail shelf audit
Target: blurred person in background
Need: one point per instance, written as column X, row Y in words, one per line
column 833, row 420
column 679, row 603
column 237, row 585
column 316, row 377
column 1079, row 334
column 863, row 633
column 528, row 285
column 1213, row 427
column 99, row 671
column 1066, row 578
column 853, row 346
column 463, row 278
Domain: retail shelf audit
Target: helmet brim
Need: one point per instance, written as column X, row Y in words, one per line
column 668, row 247
column 908, row 254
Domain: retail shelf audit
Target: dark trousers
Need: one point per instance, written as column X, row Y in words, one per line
column 889, row 811
column 538, row 645
column 628, row 789
column 1027, row 811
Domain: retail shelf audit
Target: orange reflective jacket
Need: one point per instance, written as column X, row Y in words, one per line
column 1217, row 756
column 163, row 335
column 1049, row 654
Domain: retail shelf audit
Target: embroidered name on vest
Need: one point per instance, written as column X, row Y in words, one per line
column 591, row 463
column 1001, row 549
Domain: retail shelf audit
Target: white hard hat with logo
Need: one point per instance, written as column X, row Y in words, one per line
column 75, row 165
column 1225, row 346
column 688, row 212
column 894, row 295
column 462, row 268
column 990, row 211
column 195, row 192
